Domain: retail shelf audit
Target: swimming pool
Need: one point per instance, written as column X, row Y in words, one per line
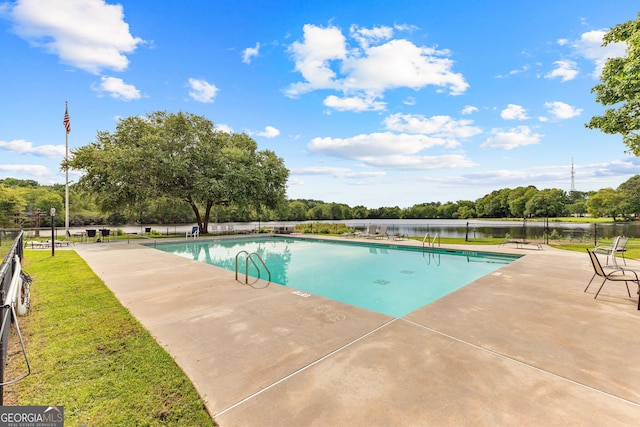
column 388, row 279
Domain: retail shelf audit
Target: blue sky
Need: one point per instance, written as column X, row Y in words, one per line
column 380, row 103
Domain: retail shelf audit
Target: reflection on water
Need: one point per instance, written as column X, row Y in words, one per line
column 223, row 254
column 500, row 229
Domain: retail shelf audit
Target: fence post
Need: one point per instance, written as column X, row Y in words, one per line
column 53, row 232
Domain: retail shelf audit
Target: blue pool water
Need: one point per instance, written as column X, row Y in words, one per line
column 386, row 279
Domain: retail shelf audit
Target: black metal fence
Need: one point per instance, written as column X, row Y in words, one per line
column 523, row 229
column 8, row 270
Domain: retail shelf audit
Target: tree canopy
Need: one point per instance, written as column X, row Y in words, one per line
column 620, row 86
column 179, row 157
column 21, row 200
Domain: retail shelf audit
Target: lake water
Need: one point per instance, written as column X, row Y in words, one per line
column 419, row 227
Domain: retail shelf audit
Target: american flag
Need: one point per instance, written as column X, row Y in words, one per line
column 66, row 121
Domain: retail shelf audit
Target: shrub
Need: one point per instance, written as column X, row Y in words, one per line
column 554, row 235
column 322, row 228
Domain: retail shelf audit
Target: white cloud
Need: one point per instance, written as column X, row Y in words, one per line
column 447, row 161
column 590, row 47
column 88, row 34
column 373, row 145
column 514, row 177
column 468, row 109
column 223, row 128
column 410, row 100
column 353, row 103
column 312, row 57
column 440, row 126
column 269, row 132
column 29, row 170
column 514, row 112
column 363, row 72
column 249, row 53
column 25, row 147
column 388, row 150
column 629, row 166
column 367, row 36
column 406, row 27
column 551, row 175
column 512, row 138
column 524, row 69
column 400, row 63
column 560, row 110
column 336, row 172
column 201, row 90
column 117, row 88
column 565, row 70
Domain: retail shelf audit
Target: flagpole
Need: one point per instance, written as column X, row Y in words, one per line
column 66, row 170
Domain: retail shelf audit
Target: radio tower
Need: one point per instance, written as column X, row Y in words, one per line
column 573, row 177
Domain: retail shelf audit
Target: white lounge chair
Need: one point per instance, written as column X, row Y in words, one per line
column 382, row 232
column 371, row 231
column 619, row 245
column 33, row 244
column 195, row 232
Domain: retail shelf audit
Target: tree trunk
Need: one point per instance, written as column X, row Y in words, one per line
column 207, row 214
column 196, row 211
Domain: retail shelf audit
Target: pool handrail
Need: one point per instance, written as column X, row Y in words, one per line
column 433, row 242
column 249, row 257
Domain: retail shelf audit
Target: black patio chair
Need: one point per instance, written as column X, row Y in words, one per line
column 91, row 234
column 105, row 234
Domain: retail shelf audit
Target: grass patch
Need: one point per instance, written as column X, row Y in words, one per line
column 90, row 355
column 632, row 252
column 461, row 240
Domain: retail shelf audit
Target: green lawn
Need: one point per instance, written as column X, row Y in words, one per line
column 90, row 355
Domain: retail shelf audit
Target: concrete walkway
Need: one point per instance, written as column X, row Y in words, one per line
column 521, row 346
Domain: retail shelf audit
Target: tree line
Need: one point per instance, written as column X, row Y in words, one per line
column 26, row 203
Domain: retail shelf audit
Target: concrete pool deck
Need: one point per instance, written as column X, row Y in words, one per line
column 521, row 346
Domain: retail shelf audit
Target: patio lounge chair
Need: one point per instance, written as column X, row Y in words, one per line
column 619, row 245
column 66, row 242
column 349, row 233
column 371, row 232
column 615, row 275
column 33, row 244
column 68, row 239
column 382, row 232
column 195, row 232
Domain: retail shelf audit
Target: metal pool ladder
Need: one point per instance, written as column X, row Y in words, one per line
column 250, row 257
column 431, row 243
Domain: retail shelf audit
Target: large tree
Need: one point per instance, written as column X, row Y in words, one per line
column 606, row 202
column 620, row 87
column 630, row 193
column 11, row 203
column 547, row 203
column 179, row 156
